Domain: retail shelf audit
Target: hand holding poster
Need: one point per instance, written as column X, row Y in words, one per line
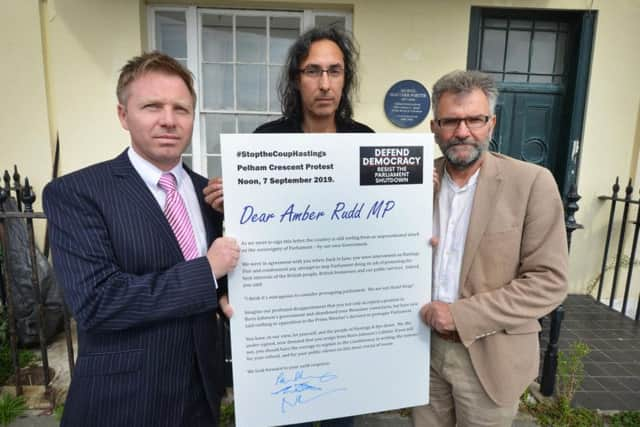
column 335, row 264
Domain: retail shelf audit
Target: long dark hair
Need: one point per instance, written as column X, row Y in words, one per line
column 288, row 85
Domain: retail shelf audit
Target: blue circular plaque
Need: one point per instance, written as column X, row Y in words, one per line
column 407, row 103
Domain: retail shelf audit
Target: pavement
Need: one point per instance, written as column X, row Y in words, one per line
column 393, row 419
column 58, row 360
column 385, row 419
column 612, row 368
column 35, row 418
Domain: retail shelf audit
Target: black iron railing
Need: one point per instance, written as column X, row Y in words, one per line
column 628, row 204
column 550, row 362
column 16, row 211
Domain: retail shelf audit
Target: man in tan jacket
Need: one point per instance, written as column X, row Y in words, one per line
column 500, row 263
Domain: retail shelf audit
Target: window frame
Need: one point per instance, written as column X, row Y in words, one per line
column 480, row 14
column 194, row 60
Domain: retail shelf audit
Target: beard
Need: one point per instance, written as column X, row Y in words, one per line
column 462, row 161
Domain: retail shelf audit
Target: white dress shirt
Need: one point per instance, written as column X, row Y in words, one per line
column 451, row 222
column 151, row 175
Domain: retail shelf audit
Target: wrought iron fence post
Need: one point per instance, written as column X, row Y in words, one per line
column 25, row 197
column 7, row 182
column 634, row 247
column 11, row 320
column 5, row 194
column 572, row 207
column 623, row 226
column 614, row 196
column 17, row 187
column 29, row 197
column 550, row 363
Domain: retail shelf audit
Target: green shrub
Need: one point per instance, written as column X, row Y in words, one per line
column 25, row 357
column 571, row 370
column 57, row 412
column 227, row 415
column 625, row 419
column 558, row 411
column 11, row 408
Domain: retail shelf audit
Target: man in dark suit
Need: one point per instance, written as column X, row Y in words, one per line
column 141, row 262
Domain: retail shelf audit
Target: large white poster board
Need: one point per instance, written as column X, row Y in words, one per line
column 335, row 264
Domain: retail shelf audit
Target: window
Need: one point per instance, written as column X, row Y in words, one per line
column 515, row 49
column 236, row 57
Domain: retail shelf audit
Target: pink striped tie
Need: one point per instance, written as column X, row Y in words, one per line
column 178, row 217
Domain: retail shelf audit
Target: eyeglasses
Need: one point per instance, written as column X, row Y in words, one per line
column 473, row 122
column 315, row 71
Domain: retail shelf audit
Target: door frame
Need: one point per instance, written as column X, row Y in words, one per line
column 568, row 153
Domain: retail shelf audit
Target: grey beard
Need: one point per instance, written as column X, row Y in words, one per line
column 460, row 163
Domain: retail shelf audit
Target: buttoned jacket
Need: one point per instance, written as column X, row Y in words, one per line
column 146, row 317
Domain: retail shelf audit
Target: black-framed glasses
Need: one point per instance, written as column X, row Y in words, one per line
column 315, row 71
column 472, row 122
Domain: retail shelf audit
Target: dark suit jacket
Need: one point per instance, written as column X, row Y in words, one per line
column 147, row 328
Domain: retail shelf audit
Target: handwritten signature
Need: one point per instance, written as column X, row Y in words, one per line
column 301, row 389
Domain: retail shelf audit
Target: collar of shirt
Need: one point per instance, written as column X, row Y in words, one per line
column 150, row 174
column 471, row 182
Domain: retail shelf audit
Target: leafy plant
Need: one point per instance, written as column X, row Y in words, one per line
column 227, row 415
column 625, row 419
column 57, row 412
column 25, row 357
column 405, row 412
column 571, row 370
column 558, row 411
column 11, row 407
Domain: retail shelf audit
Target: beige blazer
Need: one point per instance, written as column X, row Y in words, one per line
column 514, row 271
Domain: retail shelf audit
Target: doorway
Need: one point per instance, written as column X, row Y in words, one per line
column 540, row 60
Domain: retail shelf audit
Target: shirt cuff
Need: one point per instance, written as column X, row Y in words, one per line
column 213, row 274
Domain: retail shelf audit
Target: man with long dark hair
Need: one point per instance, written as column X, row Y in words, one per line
column 316, row 88
column 318, row 84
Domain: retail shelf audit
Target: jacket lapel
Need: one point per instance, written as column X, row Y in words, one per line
column 135, row 190
column 204, row 208
column 489, row 184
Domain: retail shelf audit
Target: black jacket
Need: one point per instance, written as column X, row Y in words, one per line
column 285, row 125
